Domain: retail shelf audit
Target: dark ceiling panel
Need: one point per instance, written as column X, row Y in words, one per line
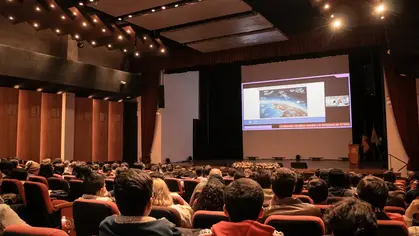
column 122, row 7
column 218, row 29
column 237, row 41
column 190, row 13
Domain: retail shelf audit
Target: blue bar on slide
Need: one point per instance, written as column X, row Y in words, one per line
column 292, row 120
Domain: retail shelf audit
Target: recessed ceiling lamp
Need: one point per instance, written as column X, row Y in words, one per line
column 103, row 30
column 130, row 16
column 11, row 18
column 62, row 17
column 91, row 96
column 163, row 7
column 128, row 31
column 93, row 43
column 162, row 50
column 125, row 50
column 81, row 4
column 16, row 86
column 137, row 54
column 57, row 31
column 84, row 24
column 176, row 5
column 151, row 46
column 109, row 45
column 39, row 89
column 76, row 36
column 37, row 8
column 380, row 8
column 52, row 6
column 120, row 100
column 336, row 24
column 94, row 20
column 120, row 37
column 35, row 25
column 152, row 10
column 326, row 6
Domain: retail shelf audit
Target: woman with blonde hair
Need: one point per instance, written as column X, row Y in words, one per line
column 162, row 197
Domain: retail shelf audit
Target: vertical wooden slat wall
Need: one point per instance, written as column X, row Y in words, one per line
column 51, row 106
column 83, row 129
column 115, row 125
column 8, row 121
column 29, row 125
column 100, row 130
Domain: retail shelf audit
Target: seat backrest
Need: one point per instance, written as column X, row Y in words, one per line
column 194, row 197
column 58, row 184
column 76, row 189
column 188, row 187
column 69, row 177
column 304, row 198
column 177, row 199
column 304, row 192
column 391, row 228
column 169, row 213
column 89, row 213
column 297, row 225
column 394, row 209
column 109, row 184
column 19, row 174
column 322, row 208
column 174, row 185
column 26, row 230
column 333, row 200
column 14, row 186
column 38, row 203
column 39, row 179
column 205, row 219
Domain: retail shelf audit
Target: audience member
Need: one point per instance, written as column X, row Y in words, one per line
column 243, row 192
column 350, row 217
column 199, row 171
column 94, row 187
column 200, row 186
column 396, row 199
column 33, row 168
column 81, row 171
column 107, row 170
column 46, row 170
column 211, row 196
column 263, row 178
column 46, row 161
column 318, row 191
column 337, row 183
column 374, row 191
column 207, row 170
column 354, row 178
column 324, row 175
column 238, row 175
column 390, row 178
column 283, row 184
column 162, row 197
column 68, row 169
column 6, row 167
column 133, row 193
column 299, row 185
column 138, row 165
column 59, row 169
column 57, row 161
column 231, row 172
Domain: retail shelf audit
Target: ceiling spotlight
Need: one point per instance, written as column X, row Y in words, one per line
column 120, row 37
column 76, row 36
column 403, row 75
column 332, row 16
column 326, row 6
column 137, row 54
column 60, row 92
column 145, row 37
column 120, row 100
column 84, row 24
column 382, row 17
column 62, row 17
column 103, row 30
column 57, row 31
column 128, row 31
column 336, row 24
column 163, row 7
column 93, row 43
column 380, row 8
column 52, row 6
column 120, row 18
column 37, row 8
column 176, row 5
column 125, row 50
column 92, row 0
column 162, row 50
column 152, row 10
column 16, row 86
column 80, row 44
column 81, row 4
column 35, row 25
column 129, row 97
column 39, row 89
column 94, row 20
column 107, row 98
column 75, row 13
column 151, row 45
column 123, row 82
column 130, row 16
column 91, row 96
column 109, row 45
column 11, row 18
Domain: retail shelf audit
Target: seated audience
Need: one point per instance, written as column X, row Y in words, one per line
column 138, row 165
column 374, row 190
column 300, row 184
column 337, row 183
column 238, row 175
column 243, row 192
column 200, row 186
column 6, row 167
column 46, row 170
column 81, row 171
column 390, row 178
column 283, row 184
column 162, row 197
column 68, row 168
column 59, row 169
column 324, row 175
column 199, row 171
column 33, row 168
column 207, row 170
column 354, row 179
column 318, row 191
column 413, row 193
column 133, row 193
column 94, row 187
column 396, row 199
column 263, row 178
column 211, row 196
column 350, row 217
column 107, row 170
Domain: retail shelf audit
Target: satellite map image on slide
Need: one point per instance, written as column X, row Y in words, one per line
column 286, row 102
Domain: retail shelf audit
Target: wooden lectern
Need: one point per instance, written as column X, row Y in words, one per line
column 353, row 156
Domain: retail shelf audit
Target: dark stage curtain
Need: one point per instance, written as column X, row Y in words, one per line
column 403, row 99
column 148, row 113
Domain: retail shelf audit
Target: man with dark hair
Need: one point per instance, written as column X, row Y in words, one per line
column 337, row 183
column 354, row 178
column 263, row 178
column 207, row 170
column 318, row 191
column 56, row 161
column 133, row 192
column 374, row 190
column 94, row 188
column 240, row 193
column 238, row 175
column 299, row 185
column 138, row 165
column 283, row 185
column 199, row 171
column 390, row 178
column 231, row 172
column 350, row 217
column 107, row 170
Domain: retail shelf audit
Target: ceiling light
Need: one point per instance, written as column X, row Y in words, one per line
column 120, row 37
column 35, row 25
column 336, row 24
column 119, row 18
column 326, row 6
column 130, row 16
column 403, row 75
column 125, row 50
column 120, row 100
column 81, row 4
column 62, row 17
column 16, row 86
column 109, row 45
column 162, row 50
column 37, row 8
column 11, row 18
column 57, row 31
column 123, row 82
column 84, row 24
column 332, row 16
column 151, row 46
column 129, row 97
column 52, row 6
column 94, row 20
column 152, row 10
column 93, row 43
column 92, row 0
column 382, row 17
column 103, row 30
column 137, row 54
column 60, row 92
column 380, row 8
column 107, row 98
column 176, row 5
column 39, row 89
column 128, row 31
column 75, row 13
column 145, row 37
column 76, row 36
column 163, row 7
column 91, row 96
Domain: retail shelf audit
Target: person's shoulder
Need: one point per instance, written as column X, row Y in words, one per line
column 108, row 221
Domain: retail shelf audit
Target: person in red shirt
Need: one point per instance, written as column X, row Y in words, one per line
column 243, row 200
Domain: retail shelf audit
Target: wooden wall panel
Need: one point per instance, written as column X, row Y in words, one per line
column 100, row 130
column 29, row 125
column 83, row 129
column 8, row 121
column 115, row 127
column 51, row 105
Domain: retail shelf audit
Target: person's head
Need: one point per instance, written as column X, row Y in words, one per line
column 243, row 192
column 248, row 173
column 46, row 170
column 133, row 190
column 114, row 166
column 33, row 167
column 81, row 171
column 231, row 172
column 106, row 169
column 66, row 163
column 374, row 191
column 215, row 171
column 57, row 161
column 161, row 193
column 95, row 167
column 125, row 164
column 317, row 173
column 283, row 182
column 94, row 184
column 199, row 171
column 351, row 217
column 224, row 170
column 396, row 199
column 318, row 191
column 121, row 169
column 238, row 175
column 337, row 178
column 299, row 185
column 46, row 161
column 138, row 165
column 6, row 167
column 59, row 169
column 324, row 175
column 354, row 178
column 207, row 170
column 263, row 178
column 389, row 176
column 211, row 196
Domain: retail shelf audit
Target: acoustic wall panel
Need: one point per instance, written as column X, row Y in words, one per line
column 8, row 121
column 115, row 127
column 100, row 130
column 51, row 106
column 83, row 129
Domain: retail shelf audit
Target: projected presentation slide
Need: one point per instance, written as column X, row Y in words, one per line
column 298, row 103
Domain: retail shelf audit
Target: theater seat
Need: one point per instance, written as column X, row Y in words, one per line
column 58, row 184
column 205, row 219
column 177, row 199
column 109, row 184
column 39, row 179
column 304, row 198
column 26, row 230
column 76, row 189
column 89, row 213
column 69, row 177
column 394, row 209
column 194, row 198
column 174, row 185
column 14, row 186
column 169, row 213
column 322, row 208
column 297, row 225
column 189, row 186
column 391, row 228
